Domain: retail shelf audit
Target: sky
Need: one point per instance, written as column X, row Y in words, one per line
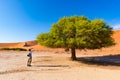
column 23, row 20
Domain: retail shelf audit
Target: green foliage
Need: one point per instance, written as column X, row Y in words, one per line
column 14, row 49
column 78, row 32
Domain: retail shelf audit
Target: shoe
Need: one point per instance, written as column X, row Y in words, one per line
column 29, row 65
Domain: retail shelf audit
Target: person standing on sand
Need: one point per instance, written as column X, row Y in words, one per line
column 30, row 57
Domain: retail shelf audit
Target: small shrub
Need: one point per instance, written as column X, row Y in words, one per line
column 14, row 49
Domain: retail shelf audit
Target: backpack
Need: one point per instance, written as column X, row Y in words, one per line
column 28, row 55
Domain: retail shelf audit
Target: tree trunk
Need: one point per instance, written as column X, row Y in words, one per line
column 73, row 54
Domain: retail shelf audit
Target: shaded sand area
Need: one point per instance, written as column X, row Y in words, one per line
column 56, row 66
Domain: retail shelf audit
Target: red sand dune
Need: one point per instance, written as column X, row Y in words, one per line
column 33, row 44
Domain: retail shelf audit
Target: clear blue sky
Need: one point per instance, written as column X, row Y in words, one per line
column 23, row 20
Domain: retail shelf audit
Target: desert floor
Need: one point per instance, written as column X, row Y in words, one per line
column 54, row 66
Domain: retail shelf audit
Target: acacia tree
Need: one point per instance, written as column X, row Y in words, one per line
column 77, row 32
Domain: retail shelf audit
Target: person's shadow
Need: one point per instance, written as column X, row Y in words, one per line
column 50, row 65
column 113, row 60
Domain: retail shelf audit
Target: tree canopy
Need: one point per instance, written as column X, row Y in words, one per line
column 77, row 32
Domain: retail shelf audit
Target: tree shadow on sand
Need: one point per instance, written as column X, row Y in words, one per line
column 112, row 60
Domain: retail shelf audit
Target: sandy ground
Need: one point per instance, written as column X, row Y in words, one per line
column 51, row 66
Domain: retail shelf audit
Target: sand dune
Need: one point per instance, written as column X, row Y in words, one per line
column 33, row 44
column 8, row 45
